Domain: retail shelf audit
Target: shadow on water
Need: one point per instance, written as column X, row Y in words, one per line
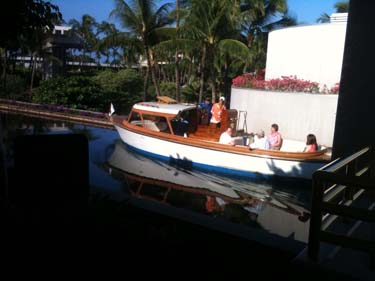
column 238, row 200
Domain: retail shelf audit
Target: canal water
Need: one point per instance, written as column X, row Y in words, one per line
column 276, row 207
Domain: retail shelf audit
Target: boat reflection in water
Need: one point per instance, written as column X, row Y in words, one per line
column 237, row 201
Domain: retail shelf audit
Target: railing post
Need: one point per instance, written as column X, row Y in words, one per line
column 316, row 218
column 372, row 161
column 351, row 169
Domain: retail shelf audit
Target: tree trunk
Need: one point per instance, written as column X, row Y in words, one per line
column 151, row 63
column 213, row 90
column 4, row 74
column 32, row 76
column 227, row 84
column 202, row 77
column 145, row 84
column 177, row 73
column 177, row 59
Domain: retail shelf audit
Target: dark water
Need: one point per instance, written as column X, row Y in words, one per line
column 278, row 206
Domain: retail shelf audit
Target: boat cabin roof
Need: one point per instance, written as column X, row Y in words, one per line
column 164, row 107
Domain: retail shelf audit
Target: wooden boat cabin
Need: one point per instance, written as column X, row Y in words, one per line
column 168, row 116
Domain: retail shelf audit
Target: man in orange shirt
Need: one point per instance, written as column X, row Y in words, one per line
column 217, row 112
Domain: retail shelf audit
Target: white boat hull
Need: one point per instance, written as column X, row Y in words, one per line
column 217, row 160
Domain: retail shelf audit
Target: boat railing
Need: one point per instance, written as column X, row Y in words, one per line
column 337, row 190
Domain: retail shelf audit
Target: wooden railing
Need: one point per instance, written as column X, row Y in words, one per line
column 336, row 187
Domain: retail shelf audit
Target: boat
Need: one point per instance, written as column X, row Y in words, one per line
column 171, row 131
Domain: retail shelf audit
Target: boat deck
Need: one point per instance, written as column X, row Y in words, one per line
column 209, row 133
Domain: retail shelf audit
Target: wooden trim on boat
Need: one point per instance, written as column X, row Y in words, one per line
column 239, row 149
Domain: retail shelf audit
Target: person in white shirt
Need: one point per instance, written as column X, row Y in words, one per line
column 260, row 141
column 226, row 137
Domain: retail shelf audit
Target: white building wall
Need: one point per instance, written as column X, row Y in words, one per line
column 297, row 114
column 312, row 52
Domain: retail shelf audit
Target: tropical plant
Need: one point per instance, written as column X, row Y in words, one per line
column 31, row 20
column 79, row 92
column 86, row 30
column 108, row 42
column 340, row 7
column 143, row 19
column 258, row 18
column 324, row 18
column 212, row 24
column 122, row 88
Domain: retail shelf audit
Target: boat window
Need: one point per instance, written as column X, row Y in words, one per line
column 135, row 118
column 180, row 126
column 156, row 123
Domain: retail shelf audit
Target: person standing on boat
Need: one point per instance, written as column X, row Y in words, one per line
column 275, row 138
column 217, row 112
column 311, row 144
column 206, row 108
column 226, row 137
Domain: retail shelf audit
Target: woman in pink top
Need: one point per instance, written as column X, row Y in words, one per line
column 274, row 138
column 311, row 144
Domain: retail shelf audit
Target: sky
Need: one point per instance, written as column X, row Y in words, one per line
column 306, row 11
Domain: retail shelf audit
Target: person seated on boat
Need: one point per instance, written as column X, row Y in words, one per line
column 205, row 110
column 275, row 138
column 311, row 144
column 180, row 126
column 226, row 137
column 260, row 141
column 217, row 112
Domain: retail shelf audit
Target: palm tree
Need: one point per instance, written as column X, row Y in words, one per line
column 324, row 18
column 340, row 7
column 143, row 19
column 212, row 24
column 85, row 29
column 111, row 42
column 177, row 58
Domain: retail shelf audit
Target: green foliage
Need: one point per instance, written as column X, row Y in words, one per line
column 14, row 88
column 27, row 18
column 342, row 6
column 189, row 93
column 122, row 88
column 75, row 92
column 168, row 89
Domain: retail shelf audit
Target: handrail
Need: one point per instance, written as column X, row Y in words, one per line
column 339, row 163
column 341, row 177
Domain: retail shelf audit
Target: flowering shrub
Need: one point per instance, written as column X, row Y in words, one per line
column 283, row 84
column 335, row 89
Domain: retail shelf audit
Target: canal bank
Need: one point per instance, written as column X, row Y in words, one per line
column 46, row 111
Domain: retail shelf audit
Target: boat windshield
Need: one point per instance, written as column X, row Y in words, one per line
column 185, row 122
